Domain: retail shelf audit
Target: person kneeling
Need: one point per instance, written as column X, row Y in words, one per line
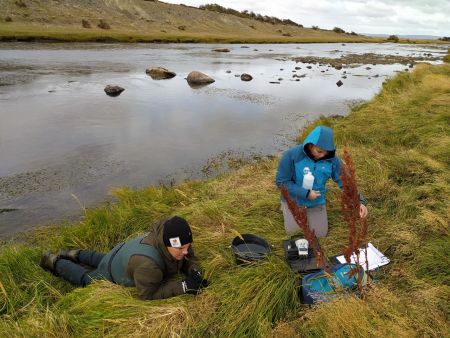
column 146, row 262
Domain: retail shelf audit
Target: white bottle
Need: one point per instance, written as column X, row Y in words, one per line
column 308, row 179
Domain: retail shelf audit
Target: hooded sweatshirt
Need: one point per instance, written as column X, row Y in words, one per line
column 291, row 168
column 152, row 281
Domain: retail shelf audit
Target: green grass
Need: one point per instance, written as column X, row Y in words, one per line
column 447, row 57
column 400, row 142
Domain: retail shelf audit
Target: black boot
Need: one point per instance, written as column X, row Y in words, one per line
column 48, row 261
column 71, row 255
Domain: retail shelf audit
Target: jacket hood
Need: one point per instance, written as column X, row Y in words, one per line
column 322, row 137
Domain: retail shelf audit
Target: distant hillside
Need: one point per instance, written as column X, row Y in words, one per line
column 411, row 36
column 140, row 20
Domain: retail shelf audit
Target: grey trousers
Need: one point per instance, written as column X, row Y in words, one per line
column 317, row 220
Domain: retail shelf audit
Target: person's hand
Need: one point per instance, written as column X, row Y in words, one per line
column 313, row 194
column 191, row 286
column 196, row 274
column 194, row 282
column 363, row 211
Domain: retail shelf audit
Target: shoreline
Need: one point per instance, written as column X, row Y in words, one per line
column 8, row 33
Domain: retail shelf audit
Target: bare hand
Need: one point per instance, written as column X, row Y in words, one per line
column 363, row 211
column 313, row 194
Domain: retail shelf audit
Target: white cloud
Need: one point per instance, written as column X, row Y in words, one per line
column 378, row 16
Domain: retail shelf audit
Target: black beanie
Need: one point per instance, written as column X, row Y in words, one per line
column 176, row 232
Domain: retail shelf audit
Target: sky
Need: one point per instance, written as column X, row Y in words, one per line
column 399, row 17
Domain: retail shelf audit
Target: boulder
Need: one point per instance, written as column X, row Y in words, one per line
column 246, row 77
column 198, row 78
column 222, row 50
column 113, row 90
column 160, row 73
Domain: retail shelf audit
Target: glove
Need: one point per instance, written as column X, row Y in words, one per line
column 194, row 282
column 196, row 275
column 191, row 286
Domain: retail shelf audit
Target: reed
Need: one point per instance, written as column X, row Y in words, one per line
column 357, row 226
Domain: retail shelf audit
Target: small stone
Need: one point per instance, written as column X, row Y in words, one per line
column 113, row 90
column 339, row 83
column 246, row 77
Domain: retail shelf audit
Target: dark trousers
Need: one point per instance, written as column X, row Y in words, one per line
column 78, row 274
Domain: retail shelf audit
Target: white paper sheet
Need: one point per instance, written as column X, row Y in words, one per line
column 374, row 257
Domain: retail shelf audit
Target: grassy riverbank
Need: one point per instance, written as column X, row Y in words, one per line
column 401, row 147
column 31, row 33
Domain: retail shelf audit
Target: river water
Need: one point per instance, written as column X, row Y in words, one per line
column 64, row 142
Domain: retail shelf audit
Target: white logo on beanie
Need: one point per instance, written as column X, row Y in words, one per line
column 175, row 242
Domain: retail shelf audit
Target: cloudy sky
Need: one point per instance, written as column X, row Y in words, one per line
column 412, row 17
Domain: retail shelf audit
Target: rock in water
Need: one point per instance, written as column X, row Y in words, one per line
column 198, row 78
column 113, row 90
column 160, row 73
column 339, row 83
column 223, row 50
column 246, row 77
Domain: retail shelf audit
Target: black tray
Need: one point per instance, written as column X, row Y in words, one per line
column 298, row 264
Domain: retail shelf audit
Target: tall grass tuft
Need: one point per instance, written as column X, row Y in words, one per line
column 249, row 299
column 357, row 226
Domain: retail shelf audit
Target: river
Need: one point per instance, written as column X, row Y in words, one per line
column 63, row 142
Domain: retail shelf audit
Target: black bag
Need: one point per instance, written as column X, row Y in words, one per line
column 301, row 264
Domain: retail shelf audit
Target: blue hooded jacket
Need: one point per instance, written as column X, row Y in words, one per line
column 295, row 160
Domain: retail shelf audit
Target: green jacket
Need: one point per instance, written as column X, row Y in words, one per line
column 148, row 268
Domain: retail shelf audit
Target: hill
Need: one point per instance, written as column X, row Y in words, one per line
column 139, row 20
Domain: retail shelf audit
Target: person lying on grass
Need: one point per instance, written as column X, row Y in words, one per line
column 316, row 155
column 146, row 262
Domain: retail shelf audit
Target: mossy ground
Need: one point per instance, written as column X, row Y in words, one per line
column 400, row 143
